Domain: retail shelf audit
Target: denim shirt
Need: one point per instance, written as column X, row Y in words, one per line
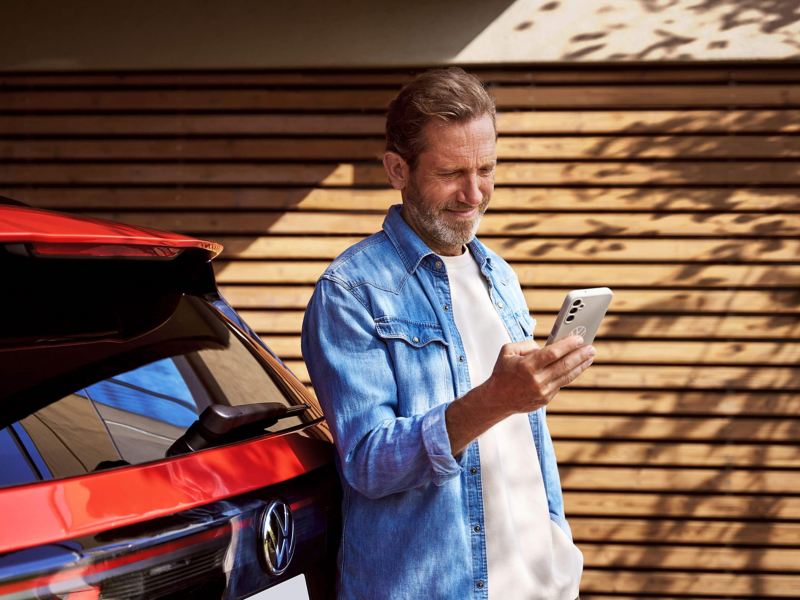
column 386, row 360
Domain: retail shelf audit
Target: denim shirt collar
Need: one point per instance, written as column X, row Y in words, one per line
column 413, row 250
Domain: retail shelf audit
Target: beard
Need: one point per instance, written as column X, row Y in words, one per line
column 433, row 222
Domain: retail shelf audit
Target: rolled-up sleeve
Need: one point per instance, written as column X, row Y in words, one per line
column 351, row 370
column 437, row 444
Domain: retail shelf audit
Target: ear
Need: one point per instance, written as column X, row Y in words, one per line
column 396, row 169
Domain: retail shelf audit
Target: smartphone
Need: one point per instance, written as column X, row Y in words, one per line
column 581, row 314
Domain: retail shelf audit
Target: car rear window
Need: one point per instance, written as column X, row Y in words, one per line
column 106, row 404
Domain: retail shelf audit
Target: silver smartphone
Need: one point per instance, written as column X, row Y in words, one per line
column 581, row 314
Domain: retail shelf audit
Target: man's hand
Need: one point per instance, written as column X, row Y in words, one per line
column 525, row 378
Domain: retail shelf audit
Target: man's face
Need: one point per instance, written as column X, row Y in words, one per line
column 449, row 188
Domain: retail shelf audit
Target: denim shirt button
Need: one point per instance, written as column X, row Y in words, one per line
column 473, row 470
column 462, row 358
column 446, row 307
column 479, row 584
column 477, row 529
column 415, row 339
column 500, row 304
column 438, row 264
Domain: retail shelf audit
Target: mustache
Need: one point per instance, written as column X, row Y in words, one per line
column 465, row 207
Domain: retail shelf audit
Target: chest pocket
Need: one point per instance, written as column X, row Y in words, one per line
column 421, row 368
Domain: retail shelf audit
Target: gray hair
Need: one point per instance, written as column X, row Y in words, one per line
column 451, row 95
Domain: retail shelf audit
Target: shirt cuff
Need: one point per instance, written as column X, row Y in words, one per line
column 437, row 444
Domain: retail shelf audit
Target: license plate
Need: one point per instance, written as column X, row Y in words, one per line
column 291, row 589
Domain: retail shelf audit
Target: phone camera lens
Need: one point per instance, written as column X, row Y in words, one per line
column 570, row 318
column 573, row 310
column 576, row 302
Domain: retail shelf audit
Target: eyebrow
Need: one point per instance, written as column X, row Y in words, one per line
column 455, row 168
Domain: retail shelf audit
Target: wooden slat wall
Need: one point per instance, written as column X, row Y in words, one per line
column 677, row 187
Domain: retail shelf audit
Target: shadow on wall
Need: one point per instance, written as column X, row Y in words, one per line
column 186, row 34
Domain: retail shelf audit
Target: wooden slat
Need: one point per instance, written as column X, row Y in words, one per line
column 719, row 429
column 508, row 123
column 701, row 376
column 358, row 174
column 198, row 99
column 677, row 454
column 651, row 352
column 647, row 147
column 690, row 557
column 267, row 296
column 716, row 403
column 688, row 506
column 721, row 327
column 562, row 276
column 695, row 584
column 493, row 224
column 154, row 173
column 656, row 402
column 378, row 200
column 688, row 532
column 372, row 148
column 664, row 300
column 199, row 124
column 709, row 404
column 249, row 99
column 626, row 326
column 347, row 174
column 620, row 326
column 712, row 276
column 652, row 301
column 662, row 173
column 700, row 353
column 669, row 377
column 647, row 121
column 693, row 96
column 280, row 246
column 618, row 556
column 194, row 149
column 539, row 249
column 574, row 74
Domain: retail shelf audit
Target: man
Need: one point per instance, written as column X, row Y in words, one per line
column 418, row 341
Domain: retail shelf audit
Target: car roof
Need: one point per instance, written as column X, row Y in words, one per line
column 22, row 224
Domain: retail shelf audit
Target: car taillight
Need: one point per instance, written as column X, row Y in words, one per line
column 192, row 566
column 92, row 593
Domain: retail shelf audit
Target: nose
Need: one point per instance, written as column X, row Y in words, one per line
column 472, row 190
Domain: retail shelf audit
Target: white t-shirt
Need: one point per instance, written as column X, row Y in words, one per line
column 529, row 556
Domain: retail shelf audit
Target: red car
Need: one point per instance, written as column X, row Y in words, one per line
column 151, row 445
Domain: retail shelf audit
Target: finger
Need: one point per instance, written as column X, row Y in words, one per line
column 519, row 348
column 573, row 373
column 556, row 351
column 554, row 372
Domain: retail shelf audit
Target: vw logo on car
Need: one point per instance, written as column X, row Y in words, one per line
column 277, row 537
